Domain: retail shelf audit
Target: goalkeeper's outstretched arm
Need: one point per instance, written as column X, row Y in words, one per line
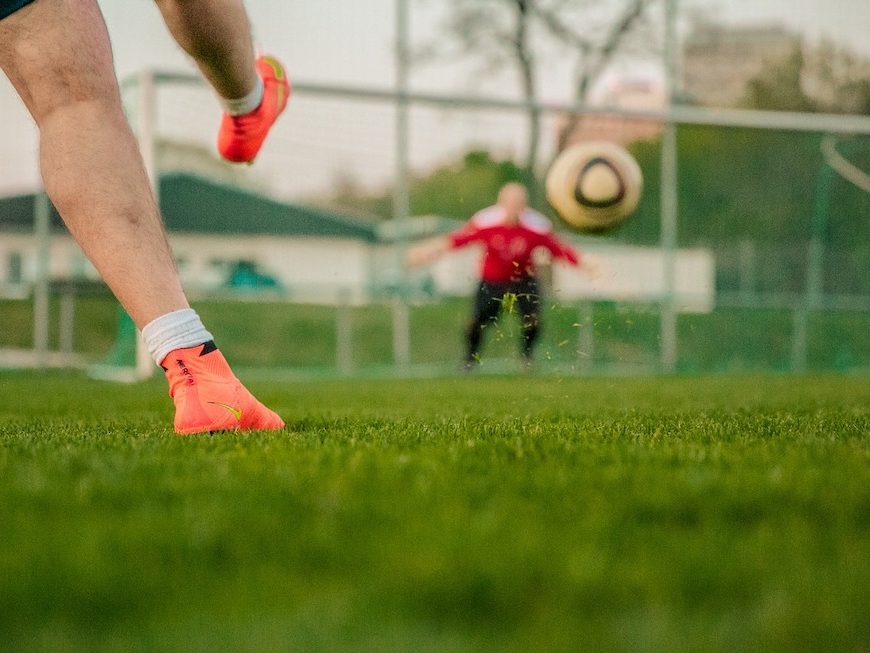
column 430, row 251
column 427, row 252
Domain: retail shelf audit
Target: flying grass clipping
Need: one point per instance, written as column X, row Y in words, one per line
column 594, row 186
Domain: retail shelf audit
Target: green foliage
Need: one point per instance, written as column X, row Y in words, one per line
column 458, row 191
column 779, row 87
column 734, row 184
column 511, row 514
column 840, row 79
column 454, row 190
column 739, row 185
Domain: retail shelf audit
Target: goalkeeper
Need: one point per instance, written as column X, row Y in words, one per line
column 509, row 232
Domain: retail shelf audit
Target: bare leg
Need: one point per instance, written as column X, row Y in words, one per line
column 57, row 55
column 216, row 33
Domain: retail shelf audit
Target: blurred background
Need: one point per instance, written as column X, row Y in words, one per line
column 750, row 251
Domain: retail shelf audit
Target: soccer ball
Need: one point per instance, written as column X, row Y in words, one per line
column 594, row 186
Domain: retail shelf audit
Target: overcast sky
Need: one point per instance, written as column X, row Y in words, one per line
column 350, row 42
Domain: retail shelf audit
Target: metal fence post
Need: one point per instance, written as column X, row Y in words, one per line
column 41, row 291
column 668, row 189
column 401, row 208
column 66, row 323
column 800, row 320
column 815, row 282
column 344, row 335
column 401, row 331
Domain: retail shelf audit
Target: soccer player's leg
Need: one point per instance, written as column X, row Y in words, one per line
column 485, row 311
column 89, row 158
column 216, row 33
column 529, row 303
column 94, row 175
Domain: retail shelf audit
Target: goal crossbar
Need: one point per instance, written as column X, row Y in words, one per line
column 678, row 113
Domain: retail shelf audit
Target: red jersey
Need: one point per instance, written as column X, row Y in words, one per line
column 509, row 248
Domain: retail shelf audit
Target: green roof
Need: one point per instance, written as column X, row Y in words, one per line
column 16, row 214
column 192, row 204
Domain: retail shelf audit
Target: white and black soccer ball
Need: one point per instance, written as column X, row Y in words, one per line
column 594, row 186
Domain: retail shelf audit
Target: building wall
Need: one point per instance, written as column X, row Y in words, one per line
column 719, row 61
column 65, row 258
column 635, row 274
column 319, row 270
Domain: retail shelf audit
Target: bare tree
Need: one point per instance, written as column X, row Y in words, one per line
column 497, row 33
column 593, row 55
column 512, row 34
column 525, row 59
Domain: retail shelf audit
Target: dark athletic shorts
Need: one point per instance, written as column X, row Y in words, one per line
column 8, row 7
column 490, row 299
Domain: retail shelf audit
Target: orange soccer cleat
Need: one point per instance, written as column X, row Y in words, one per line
column 241, row 137
column 208, row 396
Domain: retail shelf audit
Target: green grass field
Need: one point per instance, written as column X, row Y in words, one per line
column 490, row 514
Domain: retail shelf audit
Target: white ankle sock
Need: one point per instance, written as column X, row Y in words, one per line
column 176, row 330
column 241, row 106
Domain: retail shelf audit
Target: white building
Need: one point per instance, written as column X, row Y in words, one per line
column 228, row 240
column 224, row 239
